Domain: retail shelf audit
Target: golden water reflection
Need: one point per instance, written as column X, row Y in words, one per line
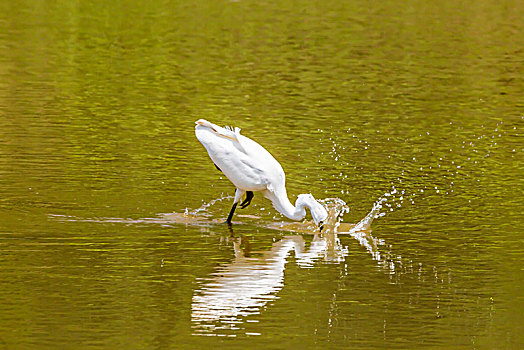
column 253, row 279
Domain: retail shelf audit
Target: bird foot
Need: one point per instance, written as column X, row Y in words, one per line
column 247, row 201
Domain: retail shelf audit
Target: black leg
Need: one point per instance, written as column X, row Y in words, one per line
column 230, row 216
column 216, row 166
column 247, row 201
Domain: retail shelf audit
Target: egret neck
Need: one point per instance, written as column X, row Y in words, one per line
column 298, row 211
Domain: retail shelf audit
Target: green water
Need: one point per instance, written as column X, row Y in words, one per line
column 420, row 103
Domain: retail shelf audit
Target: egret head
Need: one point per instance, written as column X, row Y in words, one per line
column 318, row 212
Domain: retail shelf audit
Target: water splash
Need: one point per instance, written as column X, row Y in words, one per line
column 337, row 208
column 204, row 207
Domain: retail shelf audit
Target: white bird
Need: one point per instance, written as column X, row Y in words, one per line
column 251, row 168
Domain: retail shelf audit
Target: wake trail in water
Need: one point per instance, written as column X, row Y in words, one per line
column 336, row 208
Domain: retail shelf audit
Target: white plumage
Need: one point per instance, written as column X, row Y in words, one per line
column 251, row 168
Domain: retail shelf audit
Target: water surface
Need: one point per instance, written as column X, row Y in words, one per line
column 417, row 106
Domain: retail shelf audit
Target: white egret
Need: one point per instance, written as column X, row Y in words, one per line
column 251, row 168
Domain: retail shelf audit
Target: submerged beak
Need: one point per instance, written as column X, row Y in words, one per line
column 320, row 217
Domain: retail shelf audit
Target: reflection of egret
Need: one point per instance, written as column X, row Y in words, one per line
column 251, row 168
column 360, row 231
column 326, row 246
column 248, row 283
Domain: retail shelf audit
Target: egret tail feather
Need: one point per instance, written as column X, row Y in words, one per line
column 227, row 132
